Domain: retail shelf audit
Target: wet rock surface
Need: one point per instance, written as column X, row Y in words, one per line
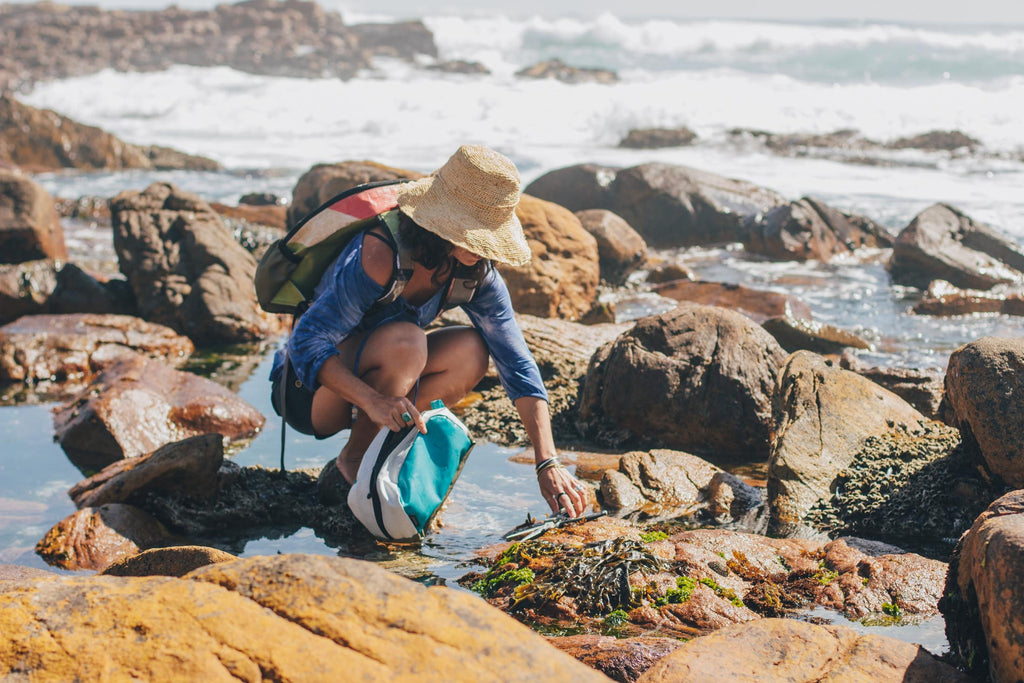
column 985, row 394
column 984, row 600
column 758, row 305
column 43, row 347
column 95, row 538
column 810, row 229
column 138, row 405
column 782, row 649
column 301, row 617
column 621, row 659
column 577, row 188
column 47, row 287
column 40, row 140
column 822, row 416
column 697, row 378
column 795, row 334
column 559, row 70
column 943, row 299
column 943, row 243
column 185, row 268
column 29, row 227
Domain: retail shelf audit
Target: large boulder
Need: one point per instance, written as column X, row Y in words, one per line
column 186, row 269
column 137, row 405
column 577, row 188
column 985, row 394
column 797, row 651
column 324, row 181
column 94, row 538
column 984, row 597
column 560, row 281
column 810, row 229
column 188, row 467
column 42, row 140
column 288, row 617
column 822, row 416
column 943, row 243
column 697, row 378
column 667, row 479
column 676, row 206
column 620, row 248
column 41, row 347
column 29, row 226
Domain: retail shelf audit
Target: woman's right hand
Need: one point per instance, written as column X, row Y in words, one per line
column 391, row 411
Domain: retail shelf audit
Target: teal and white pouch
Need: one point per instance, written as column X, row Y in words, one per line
column 406, row 476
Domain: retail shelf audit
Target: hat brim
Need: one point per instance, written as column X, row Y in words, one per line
column 426, row 202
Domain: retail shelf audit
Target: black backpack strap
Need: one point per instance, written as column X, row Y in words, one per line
column 463, row 283
column 402, row 271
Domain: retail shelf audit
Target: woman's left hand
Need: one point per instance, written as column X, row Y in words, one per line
column 561, row 490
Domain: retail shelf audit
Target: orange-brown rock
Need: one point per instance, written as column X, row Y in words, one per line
column 188, row 467
column 795, row 334
column 787, row 650
column 621, row 250
column 984, row 603
column 29, row 226
column 291, row 618
column 561, row 279
column 622, row 659
column 921, row 388
column 176, row 561
column 758, row 305
column 40, row 347
column 137, row 405
column 943, row 299
column 324, row 181
column 40, row 140
column 94, row 538
column 25, row 288
column 659, row 479
column 273, row 215
column 822, row 416
column 985, row 393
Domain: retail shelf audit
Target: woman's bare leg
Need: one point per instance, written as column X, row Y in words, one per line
column 456, row 362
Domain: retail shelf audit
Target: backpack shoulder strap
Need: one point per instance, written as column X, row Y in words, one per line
column 404, row 264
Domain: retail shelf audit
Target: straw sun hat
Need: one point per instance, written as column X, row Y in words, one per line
column 471, row 202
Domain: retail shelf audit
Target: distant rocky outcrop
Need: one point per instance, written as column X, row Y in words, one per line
column 559, row 70
column 810, row 229
column 654, row 138
column 29, row 226
column 39, row 140
column 185, row 267
column 943, row 243
column 697, row 378
column 294, row 38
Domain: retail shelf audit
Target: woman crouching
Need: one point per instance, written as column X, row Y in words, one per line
column 348, row 350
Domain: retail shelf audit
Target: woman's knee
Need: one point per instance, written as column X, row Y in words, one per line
column 399, row 346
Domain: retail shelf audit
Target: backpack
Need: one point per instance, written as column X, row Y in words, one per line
column 291, row 268
column 406, row 476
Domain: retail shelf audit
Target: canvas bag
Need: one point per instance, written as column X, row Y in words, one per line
column 405, row 476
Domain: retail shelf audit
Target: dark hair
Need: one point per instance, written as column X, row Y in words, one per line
column 428, row 249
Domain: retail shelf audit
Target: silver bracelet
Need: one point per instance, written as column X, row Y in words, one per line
column 548, row 464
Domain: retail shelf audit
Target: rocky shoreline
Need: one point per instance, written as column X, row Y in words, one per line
column 696, row 571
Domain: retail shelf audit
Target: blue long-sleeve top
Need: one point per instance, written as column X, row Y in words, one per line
column 343, row 304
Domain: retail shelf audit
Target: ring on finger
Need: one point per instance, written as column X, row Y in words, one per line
column 406, row 417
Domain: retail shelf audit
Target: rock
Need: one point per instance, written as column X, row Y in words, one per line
column 920, row 388
column 676, row 206
column 559, row 70
column 42, row 347
column 29, row 226
column 271, row 215
column 938, row 140
column 185, row 268
column 617, row 492
column 188, row 466
column 985, row 392
column 665, row 480
column 697, row 378
column 667, row 272
column 13, row 575
column 943, row 299
column 301, row 617
column 810, row 229
column 784, row 649
column 561, row 279
column 942, row 243
column 40, row 140
column 621, row 659
column 654, row 138
column 25, row 288
column 729, row 498
column 94, row 538
column 822, row 416
column 801, row 144
column 137, row 405
column 795, row 334
column 54, row 42
column 176, row 561
column 261, row 199
column 984, row 603
column 577, row 188
column 325, row 181
column 621, row 250
column 459, row 66
column 758, row 305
